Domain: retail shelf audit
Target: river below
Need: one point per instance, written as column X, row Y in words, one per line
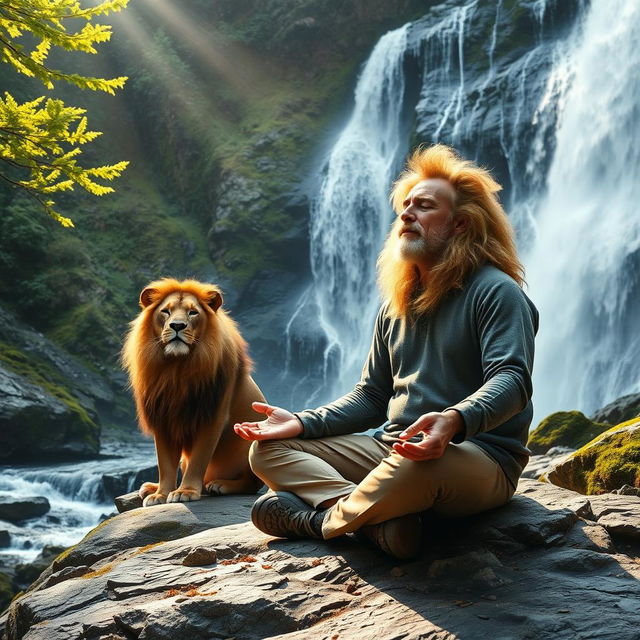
column 80, row 494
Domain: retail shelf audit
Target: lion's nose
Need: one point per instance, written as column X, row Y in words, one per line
column 178, row 326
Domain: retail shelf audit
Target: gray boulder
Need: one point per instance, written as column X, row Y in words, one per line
column 620, row 410
column 541, row 464
column 18, row 509
column 94, row 394
column 549, row 565
column 34, row 423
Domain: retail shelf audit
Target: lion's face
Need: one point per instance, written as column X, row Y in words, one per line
column 178, row 323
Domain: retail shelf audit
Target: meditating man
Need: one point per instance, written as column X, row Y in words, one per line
column 449, row 372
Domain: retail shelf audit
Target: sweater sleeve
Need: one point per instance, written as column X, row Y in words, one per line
column 506, row 322
column 363, row 408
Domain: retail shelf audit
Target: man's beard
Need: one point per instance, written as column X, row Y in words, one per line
column 418, row 249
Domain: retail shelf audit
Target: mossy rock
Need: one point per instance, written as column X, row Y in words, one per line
column 564, row 429
column 608, row 462
column 6, row 591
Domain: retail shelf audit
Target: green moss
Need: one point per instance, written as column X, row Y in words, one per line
column 565, row 429
column 608, row 462
column 6, row 591
column 44, row 376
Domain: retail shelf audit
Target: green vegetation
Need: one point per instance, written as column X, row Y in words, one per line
column 564, row 429
column 219, row 125
column 6, row 591
column 44, row 376
column 40, row 141
column 608, row 462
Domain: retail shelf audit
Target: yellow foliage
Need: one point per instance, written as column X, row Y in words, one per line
column 38, row 140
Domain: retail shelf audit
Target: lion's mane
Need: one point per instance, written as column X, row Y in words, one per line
column 179, row 397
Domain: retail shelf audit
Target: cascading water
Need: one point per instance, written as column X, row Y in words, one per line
column 527, row 90
column 79, row 494
column 350, row 216
column 584, row 268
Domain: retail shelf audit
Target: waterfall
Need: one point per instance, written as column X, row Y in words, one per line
column 530, row 91
column 584, row 268
column 350, row 215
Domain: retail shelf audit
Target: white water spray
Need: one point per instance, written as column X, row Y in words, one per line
column 583, row 267
column 351, row 214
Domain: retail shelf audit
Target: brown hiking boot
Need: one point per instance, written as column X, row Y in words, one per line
column 284, row 515
column 400, row 537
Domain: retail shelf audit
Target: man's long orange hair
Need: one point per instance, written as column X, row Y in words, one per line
column 488, row 237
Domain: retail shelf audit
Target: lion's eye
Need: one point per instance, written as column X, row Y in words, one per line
column 165, row 311
column 193, row 312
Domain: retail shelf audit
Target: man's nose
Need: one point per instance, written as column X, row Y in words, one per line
column 178, row 326
column 407, row 215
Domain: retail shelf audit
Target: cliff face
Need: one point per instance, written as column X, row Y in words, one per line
column 229, row 117
column 222, row 118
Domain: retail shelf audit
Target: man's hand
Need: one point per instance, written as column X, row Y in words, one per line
column 438, row 429
column 280, row 424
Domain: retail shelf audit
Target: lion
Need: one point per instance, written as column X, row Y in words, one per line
column 190, row 371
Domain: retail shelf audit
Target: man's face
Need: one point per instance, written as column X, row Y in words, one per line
column 426, row 224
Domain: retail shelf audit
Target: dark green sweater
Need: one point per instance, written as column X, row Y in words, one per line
column 474, row 353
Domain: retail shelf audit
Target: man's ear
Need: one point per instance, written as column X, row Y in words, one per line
column 146, row 297
column 214, row 298
column 460, row 224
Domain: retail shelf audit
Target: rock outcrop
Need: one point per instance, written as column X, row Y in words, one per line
column 35, row 423
column 52, row 405
column 570, row 429
column 18, row 509
column 541, row 464
column 620, row 410
column 606, row 463
column 552, row 564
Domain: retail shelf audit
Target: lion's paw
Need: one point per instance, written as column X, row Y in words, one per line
column 147, row 488
column 183, row 495
column 215, row 488
column 153, row 499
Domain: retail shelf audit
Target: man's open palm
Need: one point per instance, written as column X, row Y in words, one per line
column 280, row 424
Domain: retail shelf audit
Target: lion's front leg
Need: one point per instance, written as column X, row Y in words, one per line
column 168, row 458
column 197, row 461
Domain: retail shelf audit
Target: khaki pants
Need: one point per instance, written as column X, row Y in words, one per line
column 375, row 483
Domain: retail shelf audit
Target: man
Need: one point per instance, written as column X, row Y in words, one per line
column 449, row 369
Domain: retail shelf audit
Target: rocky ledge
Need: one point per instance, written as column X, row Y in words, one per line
column 551, row 564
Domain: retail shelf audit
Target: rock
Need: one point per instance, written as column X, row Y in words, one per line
column 626, row 490
column 6, row 590
column 199, row 557
column 605, row 464
column 34, row 423
column 128, row 501
column 570, row 429
column 7, row 531
column 590, row 536
column 619, row 515
column 18, row 509
column 117, row 484
column 620, row 410
column 542, row 566
column 5, row 538
column 539, row 465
